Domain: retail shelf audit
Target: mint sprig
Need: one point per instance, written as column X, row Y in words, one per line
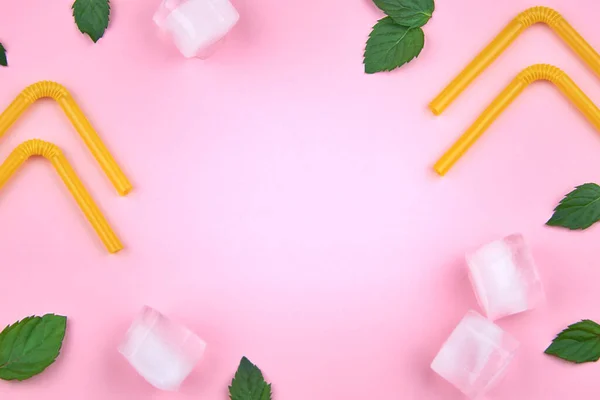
column 3, row 60
column 580, row 209
column 92, row 17
column 249, row 383
column 579, row 343
column 409, row 13
column 31, row 345
column 397, row 39
column 391, row 46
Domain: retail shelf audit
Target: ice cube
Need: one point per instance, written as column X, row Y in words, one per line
column 505, row 278
column 160, row 350
column 475, row 356
column 196, row 26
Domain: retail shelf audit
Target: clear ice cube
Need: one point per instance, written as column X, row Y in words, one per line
column 160, row 350
column 475, row 356
column 505, row 278
column 196, row 26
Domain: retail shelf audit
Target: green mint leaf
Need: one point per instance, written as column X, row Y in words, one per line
column 580, row 209
column 391, row 46
column 92, row 17
column 30, row 346
column 579, row 343
column 249, row 383
column 409, row 13
column 3, row 60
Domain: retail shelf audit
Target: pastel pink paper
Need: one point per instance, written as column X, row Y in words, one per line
column 284, row 205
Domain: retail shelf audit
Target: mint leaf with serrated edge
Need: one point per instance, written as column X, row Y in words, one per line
column 390, row 46
column 409, row 13
column 31, row 345
column 92, row 17
column 3, row 60
column 579, row 343
column 249, row 383
column 580, row 209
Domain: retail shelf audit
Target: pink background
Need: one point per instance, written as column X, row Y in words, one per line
column 284, row 204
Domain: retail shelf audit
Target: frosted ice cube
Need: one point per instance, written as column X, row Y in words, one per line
column 505, row 278
column 160, row 350
column 475, row 356
column 196, row 26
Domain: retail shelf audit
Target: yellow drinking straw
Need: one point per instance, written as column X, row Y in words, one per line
column 38, row 147
column 524, row 20
column 59, row 93
column 510, row 93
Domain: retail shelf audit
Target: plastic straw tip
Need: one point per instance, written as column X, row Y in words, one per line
column 440, row 169
column 114, row 246
column 435, row 109
column 124, row 189
column 116, row 249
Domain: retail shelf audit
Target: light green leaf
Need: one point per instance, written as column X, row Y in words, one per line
column 249, row 383
column 409, row 13
column 30, row 346
column 391, row 46
column 92, row 17
column 580, row 209
column 3, row 60
column 579, row 343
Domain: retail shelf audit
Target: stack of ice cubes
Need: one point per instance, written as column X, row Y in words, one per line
column 506, row 282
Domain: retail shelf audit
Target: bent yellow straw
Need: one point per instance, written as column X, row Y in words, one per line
column 510, row 93
column 60, row 94
column 524, row 20
column 51, row 152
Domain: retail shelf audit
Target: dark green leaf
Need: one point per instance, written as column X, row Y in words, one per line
column 3, row 60
column 249, row 383
column 391, row 46
column 92, row 17
column 409, row 13
column 579, row 343
column 580, row 209
column 30, row 346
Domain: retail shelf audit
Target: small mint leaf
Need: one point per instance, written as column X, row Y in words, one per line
column 92, row 17
column 580, row 209
column 3, row 60
column 249, row 383
column 409, row 13
column 579, row 343
column 390, row 46
column 30, row 346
